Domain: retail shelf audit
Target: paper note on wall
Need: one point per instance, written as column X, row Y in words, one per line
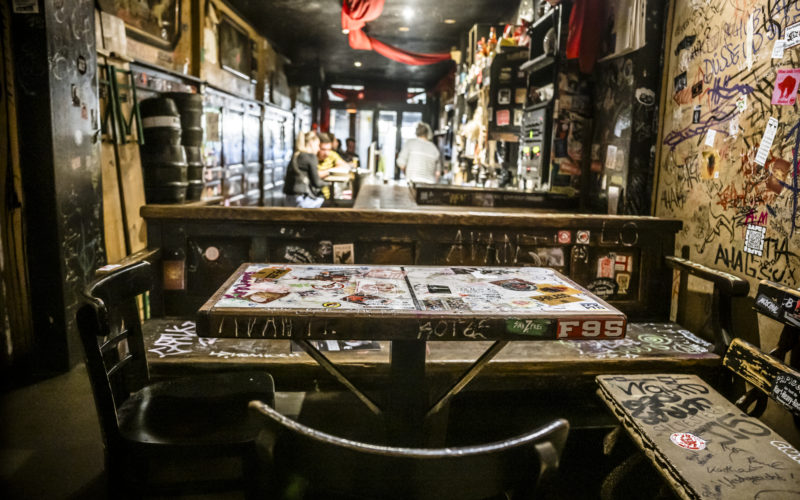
column 766, row 141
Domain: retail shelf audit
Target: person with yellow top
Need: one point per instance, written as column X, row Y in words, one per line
column 328, row 159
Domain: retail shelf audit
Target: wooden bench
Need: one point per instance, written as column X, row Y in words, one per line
column 701, row 443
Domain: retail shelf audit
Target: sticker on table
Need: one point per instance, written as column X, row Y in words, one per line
column 331, row 305
column 448, row 304
column 553, row 288
column 265, row 296
column 438, row 289
column 687, row 441
column 786, row 83
column 372, row 286
column 564, row 237
column 533, row 327
column 515, row 285
column 554, row 299
column 582, row 237
column 792, row 36
column 271, row 273
column 343, row 254
column 754, row 239
column 368, row 300
column 387, row 274
column 766, row 141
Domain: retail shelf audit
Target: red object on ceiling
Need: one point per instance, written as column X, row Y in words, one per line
column 585, row 33
column 357, row 13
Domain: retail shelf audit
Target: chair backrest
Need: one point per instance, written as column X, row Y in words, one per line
column 334, row 465
column 111, row 334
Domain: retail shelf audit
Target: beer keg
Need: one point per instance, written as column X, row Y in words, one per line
column 161, row 122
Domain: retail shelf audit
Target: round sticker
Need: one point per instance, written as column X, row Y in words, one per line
column 212, row 253
column 688, row 441
column 331, row 304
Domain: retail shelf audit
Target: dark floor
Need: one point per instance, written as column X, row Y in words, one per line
column 51, row 446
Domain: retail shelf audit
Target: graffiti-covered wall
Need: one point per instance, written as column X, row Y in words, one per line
column 730, row 137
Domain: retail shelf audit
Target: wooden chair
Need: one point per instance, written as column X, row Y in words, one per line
column 704, row 445
column 312, row 464
column 153, row 429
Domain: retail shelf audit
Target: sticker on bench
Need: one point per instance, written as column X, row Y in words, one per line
column 688, row 441
column 787, row 392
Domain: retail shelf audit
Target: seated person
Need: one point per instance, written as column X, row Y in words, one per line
column 350, row 155
column 303, row 185
column 328, row 159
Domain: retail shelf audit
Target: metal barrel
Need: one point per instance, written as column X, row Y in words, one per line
column 190, row 107
column 161, row 122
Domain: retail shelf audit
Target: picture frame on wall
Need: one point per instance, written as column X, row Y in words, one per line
column 157, row 25
column 235, row 48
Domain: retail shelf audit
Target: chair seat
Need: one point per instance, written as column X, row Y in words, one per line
column 198, row 411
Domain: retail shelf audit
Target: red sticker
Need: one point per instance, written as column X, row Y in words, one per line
column 564, row 237
column 582, row 237
column 786, row 83
column 688, row 441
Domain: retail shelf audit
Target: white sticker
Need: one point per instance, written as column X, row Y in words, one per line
column 777, row 49
column 748, row 47
column 792, row 36
column 710, row 136
column 733, row 126
column 611, row 157
column 766, row 141
column 741, row 103
column 688, row 441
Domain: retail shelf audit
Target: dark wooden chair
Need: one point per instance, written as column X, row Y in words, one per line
column 176, row 436
column 311, row 464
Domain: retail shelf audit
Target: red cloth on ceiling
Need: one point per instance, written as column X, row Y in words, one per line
column 355, row 15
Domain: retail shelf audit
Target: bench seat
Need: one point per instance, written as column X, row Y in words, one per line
column 703, row 445
column 173, row 349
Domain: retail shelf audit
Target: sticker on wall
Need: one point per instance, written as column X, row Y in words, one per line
column 503, row 117
column 611, row 157
column 766, row 141
column 754, row 239
column 680, row 82
column 624, row 281
column 343, row 254
column 710, row 166
column 687, row 441
column 710, row 136
column 777, row 49
column 748, row 44
column 685, row 43
column 582, row 237
column 564, row 237
column 741, row 103
column 697, row 89
column 646, row 97
column 623, row 263
column 696, row 114
column 605, row 267
column 786, row 83
column 792, row 36
column 733, row 126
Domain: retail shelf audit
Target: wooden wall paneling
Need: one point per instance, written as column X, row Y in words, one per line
column 132, row 189
column 113, row 223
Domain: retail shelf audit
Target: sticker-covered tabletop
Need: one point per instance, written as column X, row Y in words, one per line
column 408, row 302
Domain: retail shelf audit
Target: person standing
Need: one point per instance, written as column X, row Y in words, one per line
column 419, row 159
column 303, row 185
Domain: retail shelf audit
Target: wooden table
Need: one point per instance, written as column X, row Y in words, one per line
column 408, row 306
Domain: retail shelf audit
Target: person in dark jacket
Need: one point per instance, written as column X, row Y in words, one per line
column 303, row 185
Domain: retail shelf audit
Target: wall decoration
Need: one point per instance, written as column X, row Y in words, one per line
column 235, row 48
column 741, row 213
column 156, row 22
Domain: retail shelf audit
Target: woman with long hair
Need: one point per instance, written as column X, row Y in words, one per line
column 303, row 186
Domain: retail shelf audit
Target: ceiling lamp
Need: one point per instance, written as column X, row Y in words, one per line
column 402, row 28
column 449, row 21
column 408, row 13
column 357, row 64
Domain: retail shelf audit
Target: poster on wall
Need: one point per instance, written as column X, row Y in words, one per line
column 235, row 49
column 154, row 22
column 729, row 170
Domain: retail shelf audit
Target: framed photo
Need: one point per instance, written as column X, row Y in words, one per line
column 157, row 24
column 235, row 48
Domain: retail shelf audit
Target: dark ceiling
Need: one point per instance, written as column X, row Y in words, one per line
column 309, row 32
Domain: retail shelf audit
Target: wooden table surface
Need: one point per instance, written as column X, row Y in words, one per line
column 331, row 302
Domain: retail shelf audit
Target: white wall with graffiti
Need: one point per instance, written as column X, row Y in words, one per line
column 730, row 134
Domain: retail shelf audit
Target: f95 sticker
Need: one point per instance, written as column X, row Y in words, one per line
column 591, row 329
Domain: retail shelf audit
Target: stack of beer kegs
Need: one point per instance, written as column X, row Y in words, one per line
column 190, row 107
column 163, row 157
